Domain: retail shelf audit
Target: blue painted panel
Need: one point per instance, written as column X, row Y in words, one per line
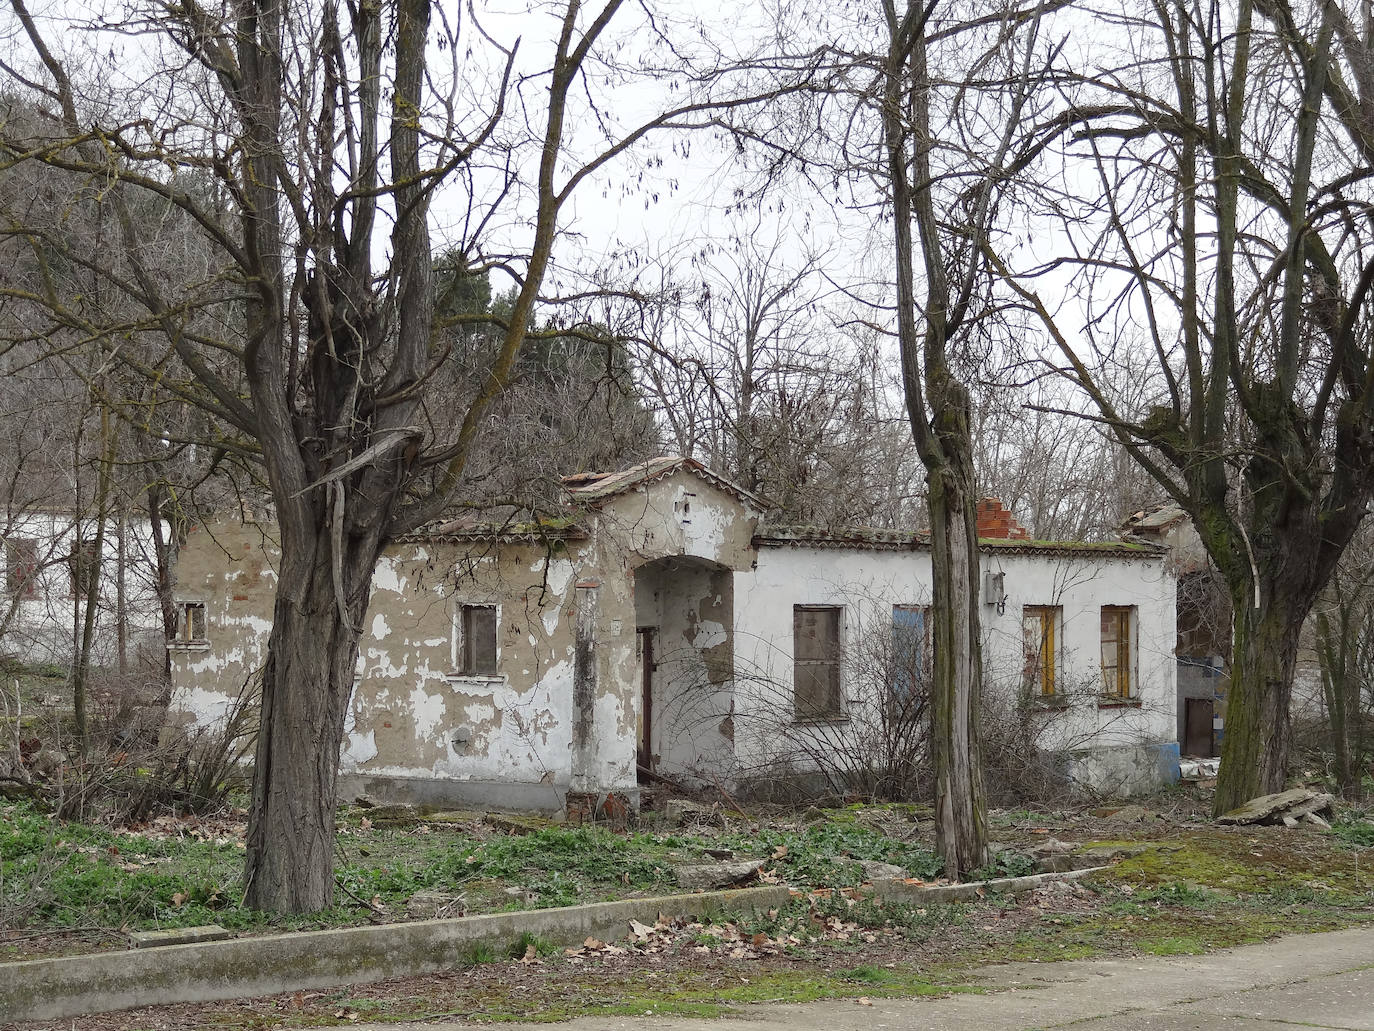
column 910, row 651
column 1166, row 756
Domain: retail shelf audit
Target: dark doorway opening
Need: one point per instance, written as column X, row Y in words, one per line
column 645, row 750
column 1197, row 735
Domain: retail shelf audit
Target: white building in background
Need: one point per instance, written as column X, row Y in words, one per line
column 47, row 559
column 661, row 632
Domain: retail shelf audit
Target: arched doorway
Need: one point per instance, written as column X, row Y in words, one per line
column 685, row 618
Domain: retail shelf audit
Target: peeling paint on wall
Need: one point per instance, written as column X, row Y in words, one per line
column 564, row 707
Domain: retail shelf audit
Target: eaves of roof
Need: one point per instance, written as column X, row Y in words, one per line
column 453, row 531
column 870, row 539
column 593, row 488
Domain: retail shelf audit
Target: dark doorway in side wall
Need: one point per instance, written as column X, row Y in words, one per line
column 646, row 706
column 1197, row 736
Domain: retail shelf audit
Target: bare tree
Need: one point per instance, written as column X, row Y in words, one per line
column 1231, row 147
column 1344, row 623
column 307, row 143
column 756, row 368
column 1067, row 478
column 952, row 227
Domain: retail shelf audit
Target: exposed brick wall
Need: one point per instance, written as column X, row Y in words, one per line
column 996, row 523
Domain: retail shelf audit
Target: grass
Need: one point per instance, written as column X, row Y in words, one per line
column 1183, row 893
column 59, row 875
column 678, row 992
column 1356, row 831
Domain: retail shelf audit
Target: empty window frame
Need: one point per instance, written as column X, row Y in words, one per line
column 1040, row 648
column 816, row 661
column 477, row 640
column 21, row 567
column 1118, row 651
column 911, row 653
column 192, row 626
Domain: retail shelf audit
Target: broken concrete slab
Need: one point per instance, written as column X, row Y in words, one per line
column 517, row 823
column 875, row 871
column 704, row 876
column 1100, row 855
column 1127, row 814
column 1286, row 807
column 177, row 936
column 683, row 812
column 1049, row 847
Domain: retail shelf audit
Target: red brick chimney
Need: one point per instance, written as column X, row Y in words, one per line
column 996, row 523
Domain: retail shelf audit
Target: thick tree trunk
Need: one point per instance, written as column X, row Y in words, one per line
column 1254, row 750
column 306, row 685
column 957, row 688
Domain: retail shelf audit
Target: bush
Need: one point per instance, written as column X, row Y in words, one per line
column 130, row 765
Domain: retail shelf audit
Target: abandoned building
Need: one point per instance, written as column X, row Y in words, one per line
column 665, row 631
column 50, row 570
column 1203, row 648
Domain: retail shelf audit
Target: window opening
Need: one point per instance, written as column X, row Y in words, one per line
column 816, row 661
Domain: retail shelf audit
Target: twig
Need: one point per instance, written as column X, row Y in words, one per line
column 360, row 901
column 728, row 800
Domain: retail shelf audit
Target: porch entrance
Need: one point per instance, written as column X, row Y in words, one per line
column 685, row 618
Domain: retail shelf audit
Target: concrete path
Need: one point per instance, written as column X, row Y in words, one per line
column 1307, row 981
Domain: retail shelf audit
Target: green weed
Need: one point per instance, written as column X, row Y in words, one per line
column 527, row 940
column 827, row 854
column 1355, row 831
column 870, row 974
column 478, row 953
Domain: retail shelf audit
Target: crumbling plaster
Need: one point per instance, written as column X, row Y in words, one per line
column 674, row 553
column 413, row 713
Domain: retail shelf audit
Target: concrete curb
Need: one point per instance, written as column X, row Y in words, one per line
column 900, row 891
column 48, row 989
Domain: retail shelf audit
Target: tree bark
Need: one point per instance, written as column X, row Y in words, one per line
column 307, row 682
column 943, row 442
column 1254, row 748
column 1342, row 703
column 957, row 687
column 87, row 579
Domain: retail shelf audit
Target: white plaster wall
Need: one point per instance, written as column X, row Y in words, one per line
column 414, row 715
column 678, row 515
column 46, row 627
column 867, row 583
column 1081, row 586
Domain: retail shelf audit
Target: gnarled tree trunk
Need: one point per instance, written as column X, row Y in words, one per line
column 306, row 685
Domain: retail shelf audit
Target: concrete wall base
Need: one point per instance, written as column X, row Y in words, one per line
column 456, row 794
column 1120, row 771
column 53, row 989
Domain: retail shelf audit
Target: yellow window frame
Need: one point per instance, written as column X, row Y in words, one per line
column 1040, row 671
column 1117, row 679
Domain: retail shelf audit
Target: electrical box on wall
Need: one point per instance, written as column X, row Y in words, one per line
column 994, row 589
